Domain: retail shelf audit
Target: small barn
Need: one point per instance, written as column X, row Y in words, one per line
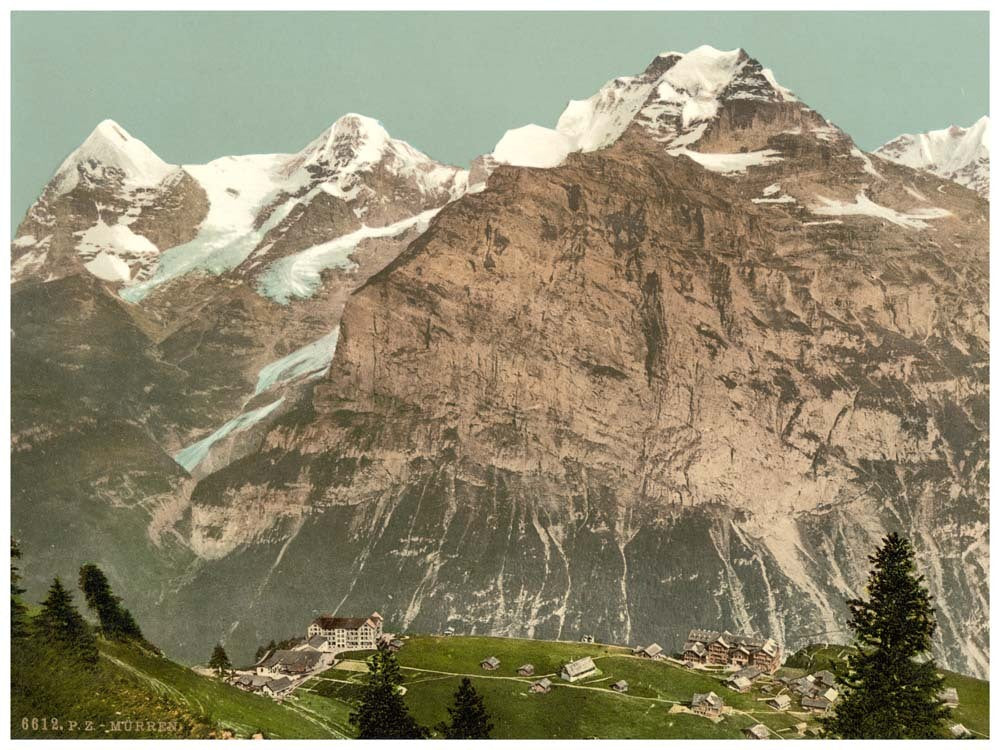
column 757, row 732
column 543, row 685
column 817, row 705
column 277, row 688
column 579, row 669
column 780, row 702
column 526, row 670
column 652, row 651
column 824, row 677
column 959, row 731
column 620, row 687
column 739, row 683
column 490, row 664
column 949, row 696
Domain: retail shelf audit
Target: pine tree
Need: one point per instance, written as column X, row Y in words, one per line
column 469, row 719
column 18, row 612
column 116, row 621
column 890, row 687
column 219, row 661
column 59, row 626
column 382, row 714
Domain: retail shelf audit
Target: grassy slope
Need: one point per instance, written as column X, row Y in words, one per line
column 131, row 683
column 433, row 666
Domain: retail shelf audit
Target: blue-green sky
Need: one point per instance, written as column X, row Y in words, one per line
column 195, row 86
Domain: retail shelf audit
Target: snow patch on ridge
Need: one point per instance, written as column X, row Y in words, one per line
column 109, row 267
column 729, row 163
column 863, row 206
column 533, row 146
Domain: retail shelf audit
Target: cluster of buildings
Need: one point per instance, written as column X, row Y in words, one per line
column 280, row 671
column 728, row 649
column 817, row 692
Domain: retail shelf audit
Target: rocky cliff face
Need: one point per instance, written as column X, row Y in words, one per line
column 668, row 383
column 681, row 363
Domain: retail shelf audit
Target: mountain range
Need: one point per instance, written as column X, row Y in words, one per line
column 677, row 362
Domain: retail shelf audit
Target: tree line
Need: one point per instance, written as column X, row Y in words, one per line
column 59, row 629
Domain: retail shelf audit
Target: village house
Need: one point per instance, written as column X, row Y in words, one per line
column 577, row 670
column 289, row 661
column 251, row 682
column 824, row 677
column 348, row 633
column 817, row 705
column 526, row 670
column 757, row 732
column 707, row 704
column 587, row 639
column 724, row 648
column 803, row 686
column 278, row 688
column 490, row 664
column 751, row 673
column 958, row 731
column 780, row 702
column 448, row 631
column 543, row 685
column 319, row 643
column 949, row 696
column 620, row 687
column 739, row 683
column 652, row 651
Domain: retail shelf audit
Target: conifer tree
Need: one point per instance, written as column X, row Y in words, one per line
column 116, row 621
column 59, row 626
column 382, row 714
column 469, row 719
column 890, row 686
column 219, row 661
column 18, row 612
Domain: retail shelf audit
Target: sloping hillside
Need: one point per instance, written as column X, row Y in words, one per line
column 133, row 693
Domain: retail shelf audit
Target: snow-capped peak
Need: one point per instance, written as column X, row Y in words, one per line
column 352, row 139
column 673, row 100
column 110, row 146
column 958, row 154
column 355, row 145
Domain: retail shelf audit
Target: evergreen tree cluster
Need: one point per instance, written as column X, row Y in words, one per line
column 59, row 631
column 116, row 622
column 890, row 686
column 382, row 713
